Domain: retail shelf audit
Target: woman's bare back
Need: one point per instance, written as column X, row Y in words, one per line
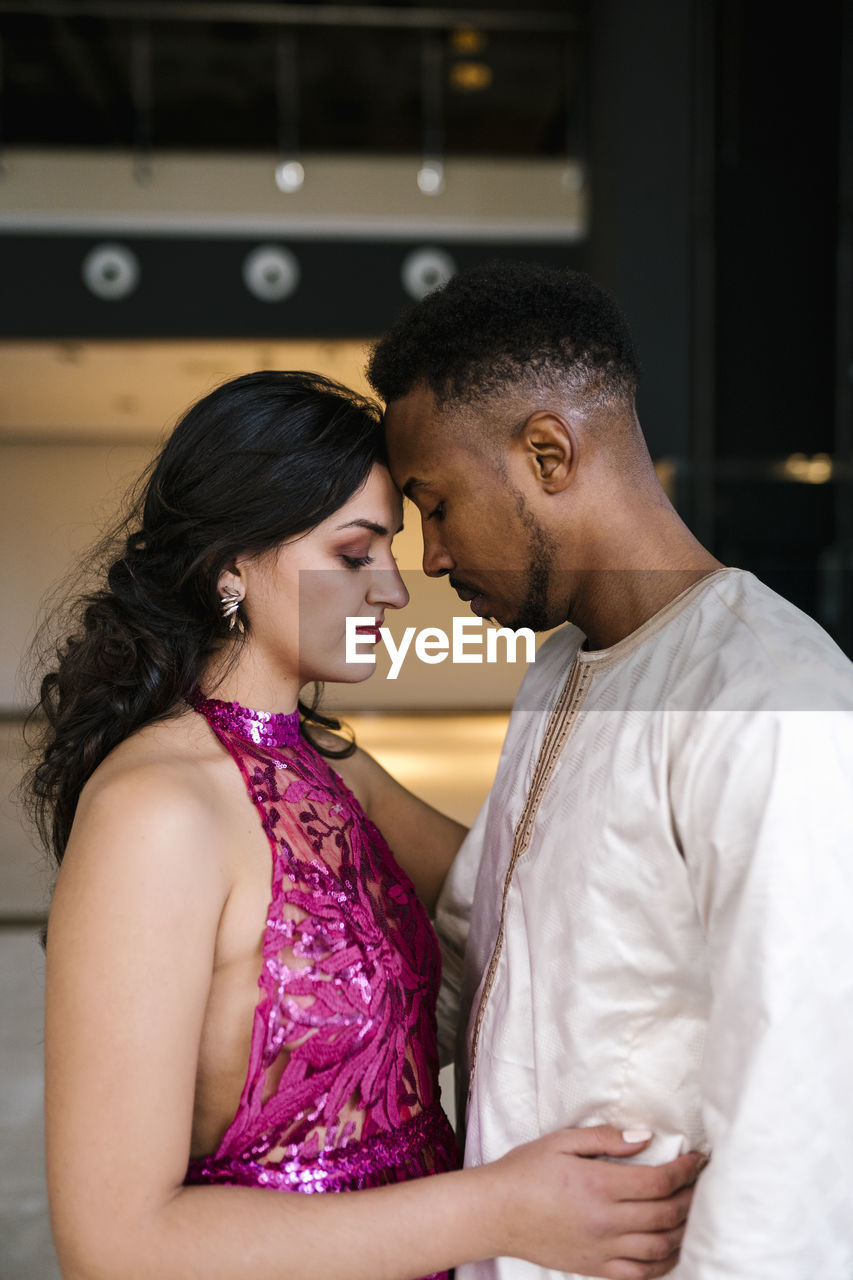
column 184, row 749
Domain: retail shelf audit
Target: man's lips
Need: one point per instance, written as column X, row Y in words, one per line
column 464, row 590
column 470, row 595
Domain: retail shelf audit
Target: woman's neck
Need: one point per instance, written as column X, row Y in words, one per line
column 243, row 680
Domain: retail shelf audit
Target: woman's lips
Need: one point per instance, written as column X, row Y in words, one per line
column 372, row 632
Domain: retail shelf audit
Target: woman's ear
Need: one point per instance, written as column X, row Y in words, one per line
column 231, row 589
column 551, row 447
column 231, row 582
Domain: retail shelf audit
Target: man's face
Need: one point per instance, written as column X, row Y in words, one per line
column 477, row 526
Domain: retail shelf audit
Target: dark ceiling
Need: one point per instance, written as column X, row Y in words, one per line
column 226, row 77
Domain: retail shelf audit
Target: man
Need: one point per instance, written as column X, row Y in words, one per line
column 662, row 877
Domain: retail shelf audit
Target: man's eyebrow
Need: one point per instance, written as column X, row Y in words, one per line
column 414, row 483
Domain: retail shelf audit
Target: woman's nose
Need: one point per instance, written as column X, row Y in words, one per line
column 388, row 588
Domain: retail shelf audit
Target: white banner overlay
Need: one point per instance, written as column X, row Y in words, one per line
column 433, row 645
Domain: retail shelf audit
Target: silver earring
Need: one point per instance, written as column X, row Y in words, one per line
column 229, row 603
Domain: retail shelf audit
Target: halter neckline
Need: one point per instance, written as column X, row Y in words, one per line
column 264, row 728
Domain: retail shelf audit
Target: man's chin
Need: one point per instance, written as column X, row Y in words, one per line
column 512, row 620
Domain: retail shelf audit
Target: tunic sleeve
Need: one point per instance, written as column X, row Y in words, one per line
column 763, row 808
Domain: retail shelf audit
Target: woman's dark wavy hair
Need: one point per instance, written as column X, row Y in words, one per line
column 261, row 459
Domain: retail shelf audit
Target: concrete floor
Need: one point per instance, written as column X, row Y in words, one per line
column 26, row 1252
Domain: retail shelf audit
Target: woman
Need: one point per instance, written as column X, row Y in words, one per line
column 181, row 778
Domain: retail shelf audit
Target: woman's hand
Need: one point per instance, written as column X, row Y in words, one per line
column 563, row 1210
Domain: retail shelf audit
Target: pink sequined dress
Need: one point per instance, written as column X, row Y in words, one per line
column 341, row 1089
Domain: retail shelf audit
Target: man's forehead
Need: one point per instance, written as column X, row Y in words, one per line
column 423, row 461
column 417, row 462
column 414, row 413
column 413, row 434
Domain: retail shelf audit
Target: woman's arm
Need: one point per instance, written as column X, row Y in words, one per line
column 131, row 949
column 424, row 840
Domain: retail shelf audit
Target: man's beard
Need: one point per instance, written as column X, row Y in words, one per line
column 534, row 612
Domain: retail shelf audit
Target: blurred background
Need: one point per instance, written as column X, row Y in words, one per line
column 192, row 190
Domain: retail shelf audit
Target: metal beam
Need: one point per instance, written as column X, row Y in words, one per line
column 302, row 15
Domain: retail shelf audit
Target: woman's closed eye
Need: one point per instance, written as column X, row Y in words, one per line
column 356, row 562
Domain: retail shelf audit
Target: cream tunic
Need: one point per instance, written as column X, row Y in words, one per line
column 662, row 929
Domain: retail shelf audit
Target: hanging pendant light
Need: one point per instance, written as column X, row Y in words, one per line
column 2, row 86
column 289, row 173
column 574, row 174
column 431, row 172
column 142, row 97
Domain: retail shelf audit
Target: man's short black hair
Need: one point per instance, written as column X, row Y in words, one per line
column 504, row 323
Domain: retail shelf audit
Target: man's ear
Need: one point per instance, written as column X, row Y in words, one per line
column 551, row 449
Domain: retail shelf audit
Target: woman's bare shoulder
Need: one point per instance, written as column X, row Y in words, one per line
column 162, row 787
column 182, row 740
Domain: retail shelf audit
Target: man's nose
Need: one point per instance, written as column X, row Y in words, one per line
column 437, row 560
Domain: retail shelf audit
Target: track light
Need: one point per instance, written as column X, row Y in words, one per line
column 271, row 273
column 424, row 270
column 110, row 271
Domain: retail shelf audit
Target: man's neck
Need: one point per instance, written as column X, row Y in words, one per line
column 609, row 603
column 620, row 605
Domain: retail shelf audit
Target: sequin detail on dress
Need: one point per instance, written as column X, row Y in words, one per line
column 341, row 1091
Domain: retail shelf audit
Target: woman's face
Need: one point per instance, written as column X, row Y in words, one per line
column 299, row 595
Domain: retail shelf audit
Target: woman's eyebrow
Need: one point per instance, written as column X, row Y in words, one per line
column 367, row 524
